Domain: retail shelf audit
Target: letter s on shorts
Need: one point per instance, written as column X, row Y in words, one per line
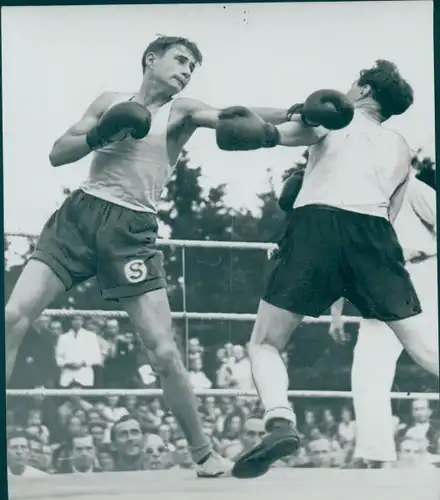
column 135, row 271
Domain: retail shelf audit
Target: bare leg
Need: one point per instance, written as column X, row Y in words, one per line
column 271, row 332
column 419, row 337
column 36, row 288
column 151, row 316
column 419, row 334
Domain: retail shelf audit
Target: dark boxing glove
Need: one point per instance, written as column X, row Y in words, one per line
column 290, row 190
column 328, row 108
column 126, row 115
column 239, row 129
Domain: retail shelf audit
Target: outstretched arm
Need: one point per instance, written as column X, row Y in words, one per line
column 243, row 129
column 201, row 115
column 296, row 133
column 292, row 130
column 336, row 330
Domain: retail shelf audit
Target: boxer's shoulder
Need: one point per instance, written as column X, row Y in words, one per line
column 186, row 106
column 105, row 100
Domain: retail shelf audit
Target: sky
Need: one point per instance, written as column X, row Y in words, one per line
column 56, row 60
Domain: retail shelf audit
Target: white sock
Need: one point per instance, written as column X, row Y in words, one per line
column 272, row 382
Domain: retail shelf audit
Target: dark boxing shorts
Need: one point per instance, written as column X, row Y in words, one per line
column 328, row 253
column 89, row 237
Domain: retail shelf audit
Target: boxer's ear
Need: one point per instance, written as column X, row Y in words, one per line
column 150, row 59
column 366, row 91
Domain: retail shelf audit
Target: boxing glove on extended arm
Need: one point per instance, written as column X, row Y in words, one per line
column 329, row 108
column 126, row 115
column 240, row 129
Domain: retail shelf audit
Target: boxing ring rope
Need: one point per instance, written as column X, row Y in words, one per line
column 183, row 244
column 432, row 396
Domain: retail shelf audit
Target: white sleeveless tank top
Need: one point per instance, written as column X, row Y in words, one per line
column 133, row 173
column 351, row 169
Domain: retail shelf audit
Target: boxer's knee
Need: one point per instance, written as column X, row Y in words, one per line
column 15, row 315
column 166, row 358
column 420, row 339
column 273, row 326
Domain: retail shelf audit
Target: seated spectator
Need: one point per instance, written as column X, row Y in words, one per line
column 194, row 348
column 166, row 434
column 209, row 408
column 182, row 455
column 329, row 427
column 232, row 430
column 35, row 427
column 309, row 423
column 98, row 429
column 412, row 453
column 18, row 456
column 75, row 428
column 156, row 408
column 129, row 402
column 105, row 458
column 227, row 407
column 80, row 456
column 320, row 453
column 157, row 455
column 197, row 376
column 210, row 431
column 128, row 444
column 35, row 450
column 45, row 461
column 241, row 378
column 421, row 426
column 149, row 422
column 251, row 434
column 224, row 376
column 347, row 427
column 110, row 408
column 77, row 352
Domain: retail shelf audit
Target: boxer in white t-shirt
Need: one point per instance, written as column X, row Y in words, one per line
column 339, row 241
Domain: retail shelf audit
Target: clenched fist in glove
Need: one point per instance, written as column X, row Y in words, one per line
column 126, row 115
column 329, row 108
column 240, row 129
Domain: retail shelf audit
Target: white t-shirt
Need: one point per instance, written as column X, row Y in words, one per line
column 357, row 168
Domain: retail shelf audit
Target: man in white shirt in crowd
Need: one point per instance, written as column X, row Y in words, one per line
column 77, row 351
column 241, row 370
column 18, row 456
column 377, row 348
column 197, row 376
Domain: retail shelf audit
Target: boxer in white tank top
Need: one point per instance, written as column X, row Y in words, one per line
column 377, row 348
column 339, row 242
column 108, row 227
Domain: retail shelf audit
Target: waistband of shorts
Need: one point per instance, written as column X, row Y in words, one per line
column 114, row 201
column 330, row 208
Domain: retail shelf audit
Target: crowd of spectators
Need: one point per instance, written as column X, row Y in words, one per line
column 49, row 435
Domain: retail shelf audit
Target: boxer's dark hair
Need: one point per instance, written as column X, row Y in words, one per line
column 394, row 94
column 164, row 43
